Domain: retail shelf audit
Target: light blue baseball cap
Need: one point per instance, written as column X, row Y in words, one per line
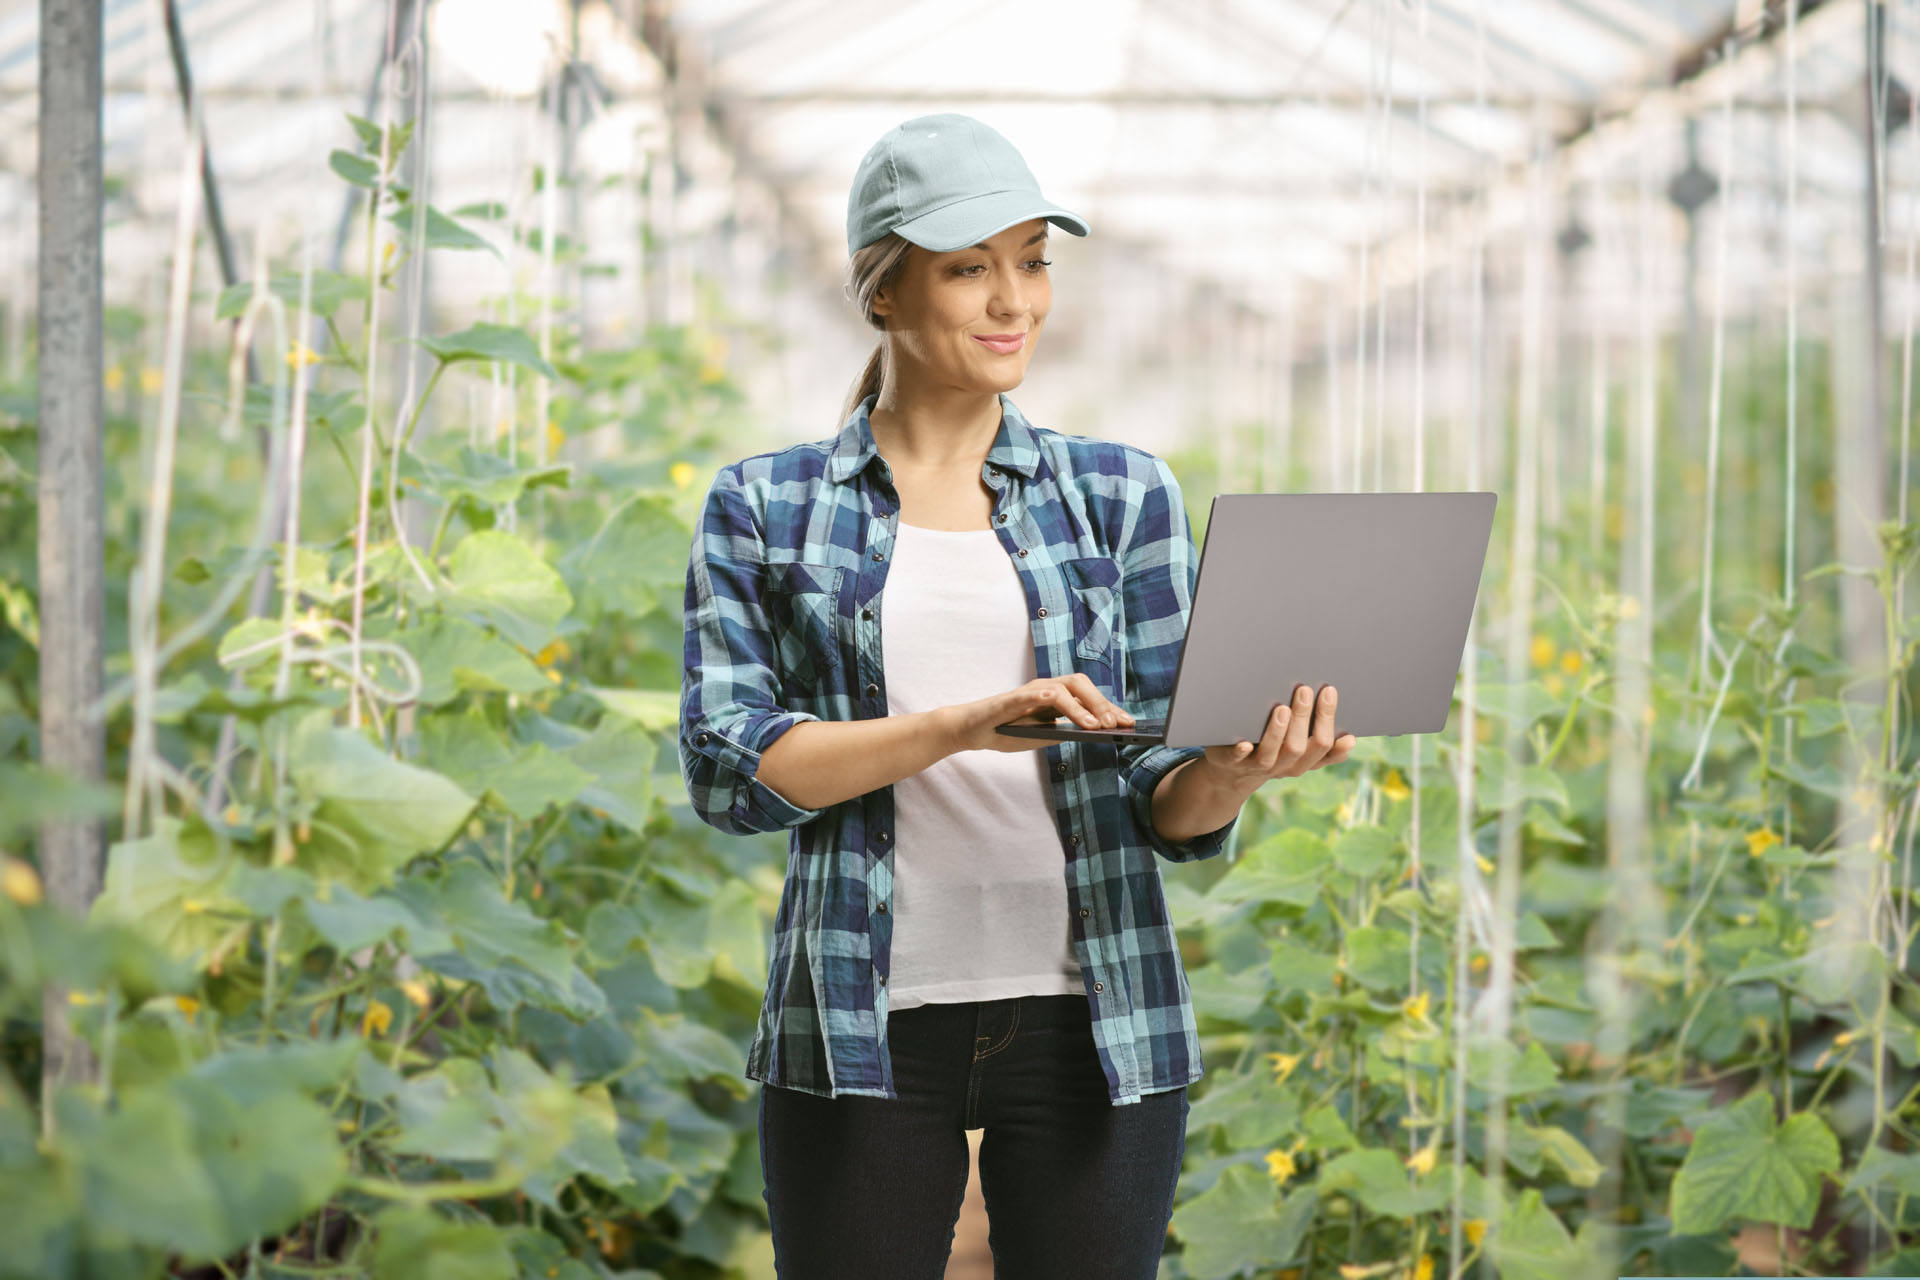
column 944, row 182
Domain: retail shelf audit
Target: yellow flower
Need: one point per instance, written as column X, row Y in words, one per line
column 1479, row 963
column 555, row 437
column 1555, row 683
column 682, row 474
column 115, row 378
column 1629, row 607
column 554, row 676
column 386, row 252
column 82, row 997
column 1423, row 1269
column 1279, row 1166
column 1543, row 651
column 1415, row 1007
column 710, row 374
column 1758, row 842
column 1483, row 730
column 1344, row 814
column 192, row 906
column 1476, row 1230
column 1422, row 1161
column 151, row 380
column 1570, row 662
column 1283, row 1065
column 418, row 992
column 1615, row 520
column 501, row 427
column 1848, row 1037
column 1486, row 867
column 348, row 1126
column 557, row 650
column 187, row 1005
column 1354, row 1271
column 20, row 882
column 377, row 1020
column 300, row 353
column 1393, row 786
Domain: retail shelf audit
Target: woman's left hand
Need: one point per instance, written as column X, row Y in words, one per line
column 1286, row 748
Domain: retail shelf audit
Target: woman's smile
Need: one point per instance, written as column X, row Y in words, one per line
column 1004, row 343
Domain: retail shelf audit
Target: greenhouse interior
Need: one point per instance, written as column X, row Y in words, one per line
column 444, row 515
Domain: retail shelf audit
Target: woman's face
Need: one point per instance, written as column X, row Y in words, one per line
column 943, row 306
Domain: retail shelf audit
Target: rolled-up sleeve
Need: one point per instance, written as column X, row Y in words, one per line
column 729, row 685
column 1159, row 567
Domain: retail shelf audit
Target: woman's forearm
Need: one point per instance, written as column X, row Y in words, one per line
column 1190, row 802
column 822, row 762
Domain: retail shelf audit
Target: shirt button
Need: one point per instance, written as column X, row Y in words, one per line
column 883, row 908
column 1002, row 517
column 1074, row 838
column 1098, row 986
column 876, row 555
column 1043, row 611
column 882, row 837
column 1084, row 913
column 1060, row 770
column 867, row 614
column 883, row 981
column 702, row 739
column 1021, row 552
column 873, row 690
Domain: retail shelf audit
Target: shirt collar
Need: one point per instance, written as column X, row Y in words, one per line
column 1014, row 446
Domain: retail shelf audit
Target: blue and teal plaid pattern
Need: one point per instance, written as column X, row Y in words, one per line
column 785, row 583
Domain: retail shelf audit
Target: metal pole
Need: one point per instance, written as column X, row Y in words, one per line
column 71, row 535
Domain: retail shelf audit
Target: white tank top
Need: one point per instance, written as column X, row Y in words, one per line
column 979, row 880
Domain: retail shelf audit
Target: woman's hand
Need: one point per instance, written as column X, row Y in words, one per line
column 1286, row 748
column 1036, row 702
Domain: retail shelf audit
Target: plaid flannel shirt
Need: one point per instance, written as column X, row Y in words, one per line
column 785, row 583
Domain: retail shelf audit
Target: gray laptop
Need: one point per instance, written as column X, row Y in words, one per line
column 1368, row 592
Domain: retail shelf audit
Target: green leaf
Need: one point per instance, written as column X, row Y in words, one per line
column 172, row 885
column 416, row 1244
column 1229, row 997
column 1378, row 958
column 1568, row 1153
column 350, row 922
column 680, row 1049
column 442, row 232
column 1499, row 786
column 1289, row 866
column 1239, row 1224
column 636, row 561
column 140, row 1174
column 1325, row 1129
column 1542, row 825
column 374, row 813
column 1531, row 1243
column 1883, row 1168
column 620, row 757
column 358, row 170
column 655, row 709
column 487, row 478
column 1817, row 717
column 497, row 578
column 271, row 1158
column 524, row 780
column 1534, row 701
column 488, row 927
column 455, row 655
column 1533, row 934
column 330, row 290
column 1376, row 1178
column 736, row 938
column 399, row 134
column 1528, row 1071
column 1363, row 849
column 489, row 341
column 1743, row 1165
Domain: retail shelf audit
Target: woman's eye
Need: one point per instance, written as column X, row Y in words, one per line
column 1045, row 262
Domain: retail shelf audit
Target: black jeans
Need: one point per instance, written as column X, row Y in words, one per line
column 866, row 1188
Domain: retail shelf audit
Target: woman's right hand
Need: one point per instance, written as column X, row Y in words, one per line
column 1038, row 701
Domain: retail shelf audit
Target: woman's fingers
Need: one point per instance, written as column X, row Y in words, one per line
column 1103, row 707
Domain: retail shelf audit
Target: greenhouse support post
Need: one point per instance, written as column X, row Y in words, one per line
column 71, row 534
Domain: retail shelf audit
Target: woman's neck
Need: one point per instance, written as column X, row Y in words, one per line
column 934, row 428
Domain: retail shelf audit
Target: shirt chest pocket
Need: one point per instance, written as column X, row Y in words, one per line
column 1095, row 584
column 803, row 612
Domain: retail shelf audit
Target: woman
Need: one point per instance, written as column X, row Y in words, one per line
column 973, row 933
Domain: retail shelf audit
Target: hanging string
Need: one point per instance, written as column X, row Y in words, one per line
column 1380, row 305
column 1709, row 646
column 1597, row 439
column 1415, row 872
column 1793, row 394
column 1366, row 246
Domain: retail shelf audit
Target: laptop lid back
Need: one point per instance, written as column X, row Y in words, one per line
column 1368, row 592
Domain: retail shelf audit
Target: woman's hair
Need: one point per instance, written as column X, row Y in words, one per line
column 871, row 269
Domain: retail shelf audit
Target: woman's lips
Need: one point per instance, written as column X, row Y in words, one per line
column 1005, row 346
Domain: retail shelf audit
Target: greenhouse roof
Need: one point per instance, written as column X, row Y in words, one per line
column 1244, row 143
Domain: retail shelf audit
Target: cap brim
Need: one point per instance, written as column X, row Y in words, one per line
column 973, row 220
